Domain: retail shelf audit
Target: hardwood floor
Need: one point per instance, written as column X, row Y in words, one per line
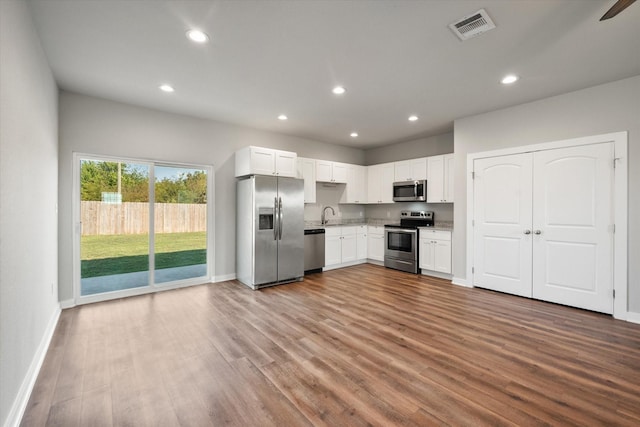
column 363, row 345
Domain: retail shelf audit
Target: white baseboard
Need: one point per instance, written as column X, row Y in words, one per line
column 344, row 264
column 633, row 317
column 223, row 278
column 68, row 303
column 461, row 282
column 436, row 274
column 20, row 403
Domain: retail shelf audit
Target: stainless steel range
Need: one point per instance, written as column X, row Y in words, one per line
column 401, row 241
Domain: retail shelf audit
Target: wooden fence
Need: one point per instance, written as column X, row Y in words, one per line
column 133, row 218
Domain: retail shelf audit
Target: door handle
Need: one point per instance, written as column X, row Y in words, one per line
column 537, row 232
column 527, row 231
column 275, row 219
column 281, row 216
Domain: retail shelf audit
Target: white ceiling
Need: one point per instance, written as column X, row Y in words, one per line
column 395, row 58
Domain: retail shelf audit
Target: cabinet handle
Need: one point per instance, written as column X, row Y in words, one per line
column 537, row 232
column 527, row 231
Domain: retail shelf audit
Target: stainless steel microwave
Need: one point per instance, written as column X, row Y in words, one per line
column 410, row 191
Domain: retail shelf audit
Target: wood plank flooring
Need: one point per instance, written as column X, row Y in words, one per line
column 358, row 346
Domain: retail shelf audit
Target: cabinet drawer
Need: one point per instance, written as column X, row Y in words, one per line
column 435, row 234
column 375, row 229
column 333, row 231
column 349, row 230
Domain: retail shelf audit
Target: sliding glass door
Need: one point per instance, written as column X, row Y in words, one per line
column 141, row 225
column 180, row 224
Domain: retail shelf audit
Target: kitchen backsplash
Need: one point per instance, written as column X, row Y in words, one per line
column 443, row 212
column 330, row 196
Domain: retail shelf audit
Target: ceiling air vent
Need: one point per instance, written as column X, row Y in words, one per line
column 472, row 25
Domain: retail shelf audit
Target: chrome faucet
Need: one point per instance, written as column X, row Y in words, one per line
column 323, row 221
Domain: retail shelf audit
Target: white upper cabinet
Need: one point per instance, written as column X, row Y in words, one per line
column 440, row 179
column 307, row 171
column 327, row 171
column 265, row 161
column 356, row 189
column 286, row 163
column 411, row 170
column 380, row 183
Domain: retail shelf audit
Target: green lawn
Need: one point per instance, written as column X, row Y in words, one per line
column 106, row 255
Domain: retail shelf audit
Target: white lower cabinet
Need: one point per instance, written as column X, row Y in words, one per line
column 341, row 246
column 435, row 250
column 361, row 242
column 375, row 242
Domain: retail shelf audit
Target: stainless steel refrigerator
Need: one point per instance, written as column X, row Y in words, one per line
column 269, row 230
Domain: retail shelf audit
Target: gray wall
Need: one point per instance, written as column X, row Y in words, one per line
column 423, row 147
column 29, row 193
column 96, row 126
column 601, row 109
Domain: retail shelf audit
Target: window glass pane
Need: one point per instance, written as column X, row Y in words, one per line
column 114, row 212
column 180, row 223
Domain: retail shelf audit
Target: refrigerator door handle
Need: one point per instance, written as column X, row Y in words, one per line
column 275, row 219
column 280, row 217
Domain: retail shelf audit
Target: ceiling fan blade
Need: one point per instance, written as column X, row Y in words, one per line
column 617, row 8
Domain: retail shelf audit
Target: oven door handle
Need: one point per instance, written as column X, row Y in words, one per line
column 402, row 230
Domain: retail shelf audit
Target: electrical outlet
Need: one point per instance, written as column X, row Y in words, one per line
column 388, row 214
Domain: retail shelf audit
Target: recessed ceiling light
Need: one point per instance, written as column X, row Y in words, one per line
column 338, row 90
column 413, row 118
column 167, row 88
column 354, row 134
column 197, row 36
column 282, row 117
column 508, row 79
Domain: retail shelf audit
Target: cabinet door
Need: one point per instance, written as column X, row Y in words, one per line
column 374, row 181
column 323, row 171
column 307, row 169
column 375, row 246
column 355, row 188
column 386, row 183
column 448, row 178
column 426, row 254
column 285, row 163
column 402, row 171
column 349, row 248
column 435, row 179
column 360, row 183
column 332, row 250
column 442, row 256
column 419, row 168
column 361, row 243
column 263, row 161
column 339, row 172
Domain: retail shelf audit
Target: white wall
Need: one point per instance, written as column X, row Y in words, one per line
column 606, row 108
column 28, row 197
column 97, row 126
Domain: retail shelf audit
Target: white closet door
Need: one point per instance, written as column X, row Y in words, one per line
column 573, row 214
column 502, row 230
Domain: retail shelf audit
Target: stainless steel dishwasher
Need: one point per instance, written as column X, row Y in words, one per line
column 313, row 250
